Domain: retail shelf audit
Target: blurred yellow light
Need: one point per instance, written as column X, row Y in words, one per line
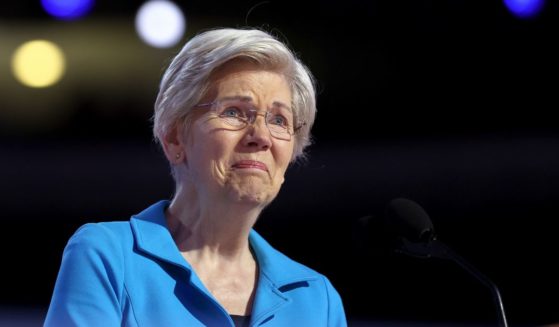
column 38, row 63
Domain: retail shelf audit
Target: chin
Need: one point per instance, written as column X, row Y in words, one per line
column 252, row 190
column 255, row 196
column 253, row 200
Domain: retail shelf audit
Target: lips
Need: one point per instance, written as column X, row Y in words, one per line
column 244, row 164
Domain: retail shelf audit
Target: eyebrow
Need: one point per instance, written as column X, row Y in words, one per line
column 245, row 98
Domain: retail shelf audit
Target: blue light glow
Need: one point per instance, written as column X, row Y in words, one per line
column 67, row 9
column 524, row 8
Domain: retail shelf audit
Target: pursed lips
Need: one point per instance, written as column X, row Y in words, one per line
column 250, row 164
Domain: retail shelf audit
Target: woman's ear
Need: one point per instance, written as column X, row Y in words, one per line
column 174, row 145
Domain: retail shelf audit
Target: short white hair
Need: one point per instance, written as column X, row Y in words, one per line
column 187, row 78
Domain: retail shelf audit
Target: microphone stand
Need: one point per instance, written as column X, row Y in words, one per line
column 437, row 249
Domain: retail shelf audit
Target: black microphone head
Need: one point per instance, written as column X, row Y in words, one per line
column 405, row 218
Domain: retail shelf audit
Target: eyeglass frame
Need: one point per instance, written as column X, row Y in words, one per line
column 251, row 120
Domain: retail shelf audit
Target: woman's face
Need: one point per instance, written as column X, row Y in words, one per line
column 246, row 165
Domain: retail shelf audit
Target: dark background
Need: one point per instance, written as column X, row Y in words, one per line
column 448, row 103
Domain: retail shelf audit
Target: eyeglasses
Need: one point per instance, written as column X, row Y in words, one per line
column 237, row 113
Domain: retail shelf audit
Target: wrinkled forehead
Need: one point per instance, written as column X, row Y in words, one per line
column 243, row 74
column 248, row 101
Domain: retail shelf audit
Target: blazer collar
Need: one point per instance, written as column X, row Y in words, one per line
column 153, row 237
column 277, row 267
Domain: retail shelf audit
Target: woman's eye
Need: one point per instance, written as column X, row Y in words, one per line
column 279, row 120
column 231, row 112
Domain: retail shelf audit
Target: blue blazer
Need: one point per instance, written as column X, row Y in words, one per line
column 132, row 274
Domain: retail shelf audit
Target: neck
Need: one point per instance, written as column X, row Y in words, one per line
column 211, row 230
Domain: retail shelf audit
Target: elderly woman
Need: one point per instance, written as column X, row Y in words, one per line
column 235, row 108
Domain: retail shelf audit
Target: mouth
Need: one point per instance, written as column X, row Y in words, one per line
column 250, row 164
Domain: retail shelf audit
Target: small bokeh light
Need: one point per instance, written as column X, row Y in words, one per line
column 67, row 9
column 524, row 9
column 38, row 63
column 160, row 23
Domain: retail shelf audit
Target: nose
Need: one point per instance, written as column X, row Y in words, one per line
column 258, row 135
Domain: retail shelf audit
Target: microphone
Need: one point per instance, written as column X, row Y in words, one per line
column 413, row 233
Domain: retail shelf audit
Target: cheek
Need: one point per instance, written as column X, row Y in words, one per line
column 211, row 157
column 219, row 172
column 285, row 155
column 283, row 158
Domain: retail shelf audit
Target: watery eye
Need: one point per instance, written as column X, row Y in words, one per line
column 279, row 120
column 231, row 112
